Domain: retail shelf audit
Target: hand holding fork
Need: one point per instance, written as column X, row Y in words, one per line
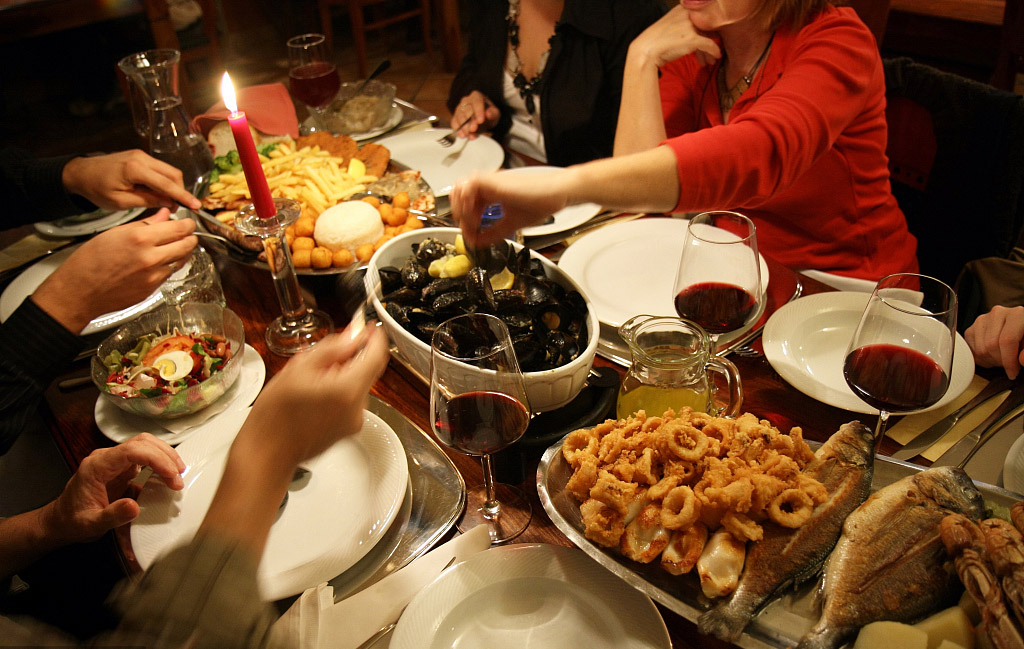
column 449, row 139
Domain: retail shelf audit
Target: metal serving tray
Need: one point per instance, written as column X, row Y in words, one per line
column 779, row 626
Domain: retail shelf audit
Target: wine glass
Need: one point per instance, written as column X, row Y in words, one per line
column 313, row 78
column 478, row 405
column 718, row 282
column 902, row 351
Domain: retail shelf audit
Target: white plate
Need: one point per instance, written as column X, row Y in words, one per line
column 1013, row 467
column 535, row 596
column 566, row 218
column 120, row 426
column 805, row 341
column 86, row 224
column 394, row 119
column 353, row 494
column 28, row 281
column 441, row 167
column 630, row 268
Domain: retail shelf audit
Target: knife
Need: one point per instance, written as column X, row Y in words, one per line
column 934, row 433
column 963, row 450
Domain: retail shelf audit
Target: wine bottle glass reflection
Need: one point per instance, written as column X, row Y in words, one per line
column 718, row 282
column 313, row 78
column 478, row 405
column 901, row 354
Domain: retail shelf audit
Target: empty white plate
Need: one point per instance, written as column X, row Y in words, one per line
column 564, row 219
column 441, row 166
column 806, row 340
column 535, row 596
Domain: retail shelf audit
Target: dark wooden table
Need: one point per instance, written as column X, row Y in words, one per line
column 250, row 293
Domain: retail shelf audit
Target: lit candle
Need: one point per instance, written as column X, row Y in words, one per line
column 254, row 176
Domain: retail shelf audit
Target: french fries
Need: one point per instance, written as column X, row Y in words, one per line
column 313, row 177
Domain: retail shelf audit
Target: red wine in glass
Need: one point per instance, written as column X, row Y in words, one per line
column 315, row 84
column 717, row 307
column 894, row 378
column 479, row 423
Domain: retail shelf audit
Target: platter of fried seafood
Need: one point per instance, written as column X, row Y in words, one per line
column 730, row 523
column 353, row 199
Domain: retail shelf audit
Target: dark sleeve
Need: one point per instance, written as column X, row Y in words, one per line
column 33, row 190
column 482, row 66
column 34, row 348
column 202, row 594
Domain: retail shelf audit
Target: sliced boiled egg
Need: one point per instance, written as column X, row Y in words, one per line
column 173, row 365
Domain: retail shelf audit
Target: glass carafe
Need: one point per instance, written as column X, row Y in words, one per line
column 173, row 140
column 152, row 75
column 670, row 365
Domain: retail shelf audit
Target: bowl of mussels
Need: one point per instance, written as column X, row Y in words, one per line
column 426, row 277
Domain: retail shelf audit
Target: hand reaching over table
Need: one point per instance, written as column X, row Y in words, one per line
column 997, row 339
column 126, row 179
column 484, row 115
column 116, row 269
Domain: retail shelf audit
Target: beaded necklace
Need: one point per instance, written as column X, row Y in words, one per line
column 727, row 97
column 527, row 87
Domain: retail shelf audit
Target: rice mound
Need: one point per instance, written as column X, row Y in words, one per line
column 348, row 225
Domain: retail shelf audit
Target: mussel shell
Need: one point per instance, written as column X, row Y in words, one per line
column 430, row 249
column 414, row 275
column 390, row 279
column 441, row 285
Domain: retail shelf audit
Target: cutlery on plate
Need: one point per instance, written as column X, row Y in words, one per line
column 934, row 433
column 381, row 67
column 387, row 628
column 448, row 140
column 74, row 382
column 965, row 449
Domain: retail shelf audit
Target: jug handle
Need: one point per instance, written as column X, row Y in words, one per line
column 732, row 376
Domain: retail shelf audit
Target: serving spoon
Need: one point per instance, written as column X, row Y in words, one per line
column 381, row 67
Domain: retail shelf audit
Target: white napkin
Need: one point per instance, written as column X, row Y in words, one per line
column 315, row 622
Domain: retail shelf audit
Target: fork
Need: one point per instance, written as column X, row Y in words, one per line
column 449, row 139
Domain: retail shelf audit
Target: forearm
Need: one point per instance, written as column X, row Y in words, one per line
column 24, row 539
column 639, row 182
column 33, row 188
column 641, row 126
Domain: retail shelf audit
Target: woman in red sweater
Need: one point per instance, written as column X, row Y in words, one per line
column 773, row 108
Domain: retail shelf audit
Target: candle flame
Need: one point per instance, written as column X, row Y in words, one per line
column 227, row 91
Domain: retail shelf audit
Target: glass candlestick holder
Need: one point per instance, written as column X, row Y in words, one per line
column 299, row 326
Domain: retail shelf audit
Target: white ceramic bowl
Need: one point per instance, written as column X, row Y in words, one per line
column 547, row 389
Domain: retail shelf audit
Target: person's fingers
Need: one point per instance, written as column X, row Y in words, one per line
column 118, row 513
column 163, row 465
column 1009, row 341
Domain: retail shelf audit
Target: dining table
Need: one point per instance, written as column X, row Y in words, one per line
column 250, row 293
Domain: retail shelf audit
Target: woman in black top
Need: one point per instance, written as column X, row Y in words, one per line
column 561, row 58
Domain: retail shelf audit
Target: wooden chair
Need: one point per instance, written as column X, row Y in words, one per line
column 360, row 26
column 1010, row 63
column 207, row 54
column 956, row 164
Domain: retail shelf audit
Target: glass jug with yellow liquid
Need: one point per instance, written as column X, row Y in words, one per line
column 671, row 360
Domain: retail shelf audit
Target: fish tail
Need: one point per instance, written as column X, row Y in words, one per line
column 725, row 621
column 823, row 637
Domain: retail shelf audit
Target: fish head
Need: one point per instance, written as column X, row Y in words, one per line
column 853, row 443
column 952, row 489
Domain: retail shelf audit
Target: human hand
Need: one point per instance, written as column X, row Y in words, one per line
column 484, row 115
column 671, row 37
column 92, row 502
column 525, row 199
column 127, row 179
column 317, row 399
column 116, row 269
column 996, row 339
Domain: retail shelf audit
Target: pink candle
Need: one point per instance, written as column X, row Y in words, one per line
column 254, row 176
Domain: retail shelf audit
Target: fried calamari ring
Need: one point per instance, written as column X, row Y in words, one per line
column 684, row 441
column 601, row 524
column 812, row 488
column 736, row 495
column 613, row 492
column 680, row 509
column 685, row 471
column 577, row 444
column 791, row 508
column 742, row 526
column 583, row 479
column 663, row 486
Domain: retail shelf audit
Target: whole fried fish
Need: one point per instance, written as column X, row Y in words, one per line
column 890, row 563
column 786, row 557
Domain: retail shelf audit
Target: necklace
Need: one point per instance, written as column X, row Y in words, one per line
column 729, row 96
column 527, row 87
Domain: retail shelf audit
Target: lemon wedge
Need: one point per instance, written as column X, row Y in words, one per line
column 503, row 280
column 174, row 365
column 356, row 168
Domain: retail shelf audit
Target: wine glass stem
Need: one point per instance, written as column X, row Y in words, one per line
column 883, row 419
column 491, row 507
